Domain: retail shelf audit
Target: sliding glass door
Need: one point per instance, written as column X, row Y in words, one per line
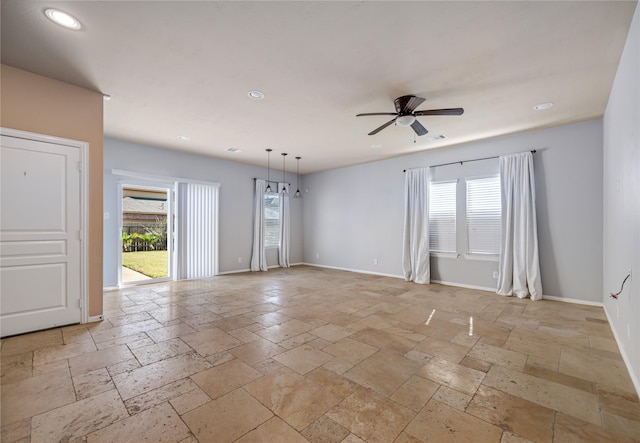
column 146, row 217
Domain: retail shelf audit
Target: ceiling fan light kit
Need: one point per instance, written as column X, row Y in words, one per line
column 405, row 120
column 406, row 114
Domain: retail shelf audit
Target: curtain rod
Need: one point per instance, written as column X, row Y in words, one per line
column 270, row 181
column 533, row 151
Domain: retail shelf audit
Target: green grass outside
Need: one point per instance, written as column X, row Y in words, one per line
column 150, row 263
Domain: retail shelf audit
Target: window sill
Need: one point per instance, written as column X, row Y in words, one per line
column 272, row 247
column 482, row 257
column 444, row 254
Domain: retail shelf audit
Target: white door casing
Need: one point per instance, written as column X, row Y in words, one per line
column 42, row 226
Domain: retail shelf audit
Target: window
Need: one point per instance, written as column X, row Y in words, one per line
column 484, row 215
column 442, row 216
column 271, row 220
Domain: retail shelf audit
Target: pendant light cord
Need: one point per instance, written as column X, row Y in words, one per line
column 297, row 194
column 284, row 178
column 268, row 188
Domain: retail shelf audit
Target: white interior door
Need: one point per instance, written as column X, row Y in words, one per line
column 40, row 235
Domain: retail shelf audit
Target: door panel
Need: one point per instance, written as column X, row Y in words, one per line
column 40, row 246
column 49, row 288
column 36, row 187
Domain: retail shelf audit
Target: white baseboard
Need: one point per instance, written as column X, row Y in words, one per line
column 359, row 271
column 110, row 288
column 237, row 271
column 545, row 297
column 573, row 300
column 95, row 318
column 462, row 285
column 625, row 357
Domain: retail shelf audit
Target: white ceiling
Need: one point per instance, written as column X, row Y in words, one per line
column 184, row 68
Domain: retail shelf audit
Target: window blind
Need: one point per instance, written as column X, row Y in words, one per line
column 442, row 216
column 271, row 219
column 197, row 230
column 484, row 215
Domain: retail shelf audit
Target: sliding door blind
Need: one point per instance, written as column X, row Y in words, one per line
column 442, row 216
column 197, row 213
column 484, row 215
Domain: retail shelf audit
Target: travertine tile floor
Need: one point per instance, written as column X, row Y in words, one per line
column 310, row 354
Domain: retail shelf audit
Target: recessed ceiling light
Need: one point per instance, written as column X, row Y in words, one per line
column 63, row 19
column 376, row 146
column 543, row 106
column 234, row 150
column 106, row 97
column 184, row 137
column 256, row 95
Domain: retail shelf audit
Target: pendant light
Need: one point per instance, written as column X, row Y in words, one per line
column 268, row 189
column 284, row 189
column 297, row 194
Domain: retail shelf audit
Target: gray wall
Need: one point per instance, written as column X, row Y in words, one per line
column 354, row 215
column 235, row 200
column 622, row 202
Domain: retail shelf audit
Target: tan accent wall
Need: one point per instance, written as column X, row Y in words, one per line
column 34, row 103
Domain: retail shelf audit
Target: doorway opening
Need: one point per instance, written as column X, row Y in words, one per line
column 146, row 215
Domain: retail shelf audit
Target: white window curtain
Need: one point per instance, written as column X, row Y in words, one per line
column 258, row 257
column 519, row 264
column 415, row 261
column 197, row 231
column 283, row 247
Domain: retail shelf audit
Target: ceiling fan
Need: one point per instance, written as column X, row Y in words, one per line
column 406, row 114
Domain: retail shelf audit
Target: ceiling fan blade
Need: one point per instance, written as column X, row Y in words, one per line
column 375, row 131
column 377, row 113
column 451, row 111
column 407, row 103
column 417, row 126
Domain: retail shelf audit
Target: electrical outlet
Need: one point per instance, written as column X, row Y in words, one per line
column 631, row 277
column 495, row 274
column 617, row 311
column 317, row 255
column 375, row 261
column 239, row 259
column 629, row 331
